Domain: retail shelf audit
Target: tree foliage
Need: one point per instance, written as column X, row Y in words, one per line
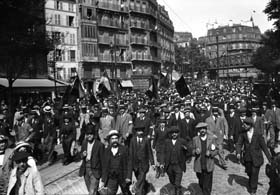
column 267, row 57
column 23, row 40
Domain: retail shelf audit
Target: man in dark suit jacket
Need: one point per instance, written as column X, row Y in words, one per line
column 174, row 158
column 253, row 144
column 91, row 153
column 140, row 155
column 175, row 117
column 143, row 121
column 115, row 166
column 187, row 126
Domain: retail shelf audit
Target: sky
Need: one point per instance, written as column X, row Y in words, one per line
column 193, row 15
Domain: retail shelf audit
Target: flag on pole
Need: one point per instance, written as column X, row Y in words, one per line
column 105, row 86
column 73, row 92
column 182, row 87
column 152, row 92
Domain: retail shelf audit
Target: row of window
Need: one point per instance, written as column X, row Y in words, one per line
column 60, row 20
column 233, row 30
column 66, row 6
column 63, row 38
column 65, row 55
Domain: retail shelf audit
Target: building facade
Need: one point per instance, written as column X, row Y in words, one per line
column 183, row 39
column 166, row 40
column 230, row 49
column 62, row 26
column 123, row 38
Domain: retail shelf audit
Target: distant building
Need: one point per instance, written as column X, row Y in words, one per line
column 182, row 39
column 230, row 49
column 62, row 26
column 128, row 39
column 165, row 40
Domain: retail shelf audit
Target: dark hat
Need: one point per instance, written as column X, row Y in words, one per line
column 3, row 138
column 166, row 110
column 231, row 106
column 174, row 129
column 34, row 112
column 248, row 121
column 20, row 155
column 104, row 110
column 139, row 128
column 83, row 106
column 90, row 129
column 122, row 106
column 215, row 109
column 242, row 110
column 201, row 125
column 273, row 102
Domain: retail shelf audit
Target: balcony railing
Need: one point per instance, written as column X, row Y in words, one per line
column 112, row 23
column 138, row 40
column 143, row 56
column 113, row 6
column 139, row 24
column 110, row 39
column 110, row 58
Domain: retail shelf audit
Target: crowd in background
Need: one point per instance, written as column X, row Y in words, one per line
column 165, row 132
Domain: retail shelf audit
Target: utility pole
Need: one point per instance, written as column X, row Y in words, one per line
column 218, row 58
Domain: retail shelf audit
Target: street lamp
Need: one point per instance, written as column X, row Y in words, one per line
column 218, row 58
column 113, row 52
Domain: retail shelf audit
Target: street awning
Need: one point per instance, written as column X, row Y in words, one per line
column 127, row 83
column 27, row 83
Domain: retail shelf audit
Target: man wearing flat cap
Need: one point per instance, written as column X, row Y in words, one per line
column 107, row 123
column 159, row 137
column 174, row 158
column 143, row 120
column 91, row 167
column 115, row 167
column 204, row 149
column 140, row 158
column 273, row 115
column 68, row 136
column 251, row 144
column 24, row 179
column 124, row 124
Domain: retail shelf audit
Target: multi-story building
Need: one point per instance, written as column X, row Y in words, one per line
column 121, row 37
column 182, row 39
column 230, row 49
column 165, row 39
column 62, row 26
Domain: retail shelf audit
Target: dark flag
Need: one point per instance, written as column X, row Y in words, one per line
column 73, row 92
column 182, row 87
column 92, row 99
column 164, row 81
column 152, row 92
column 105, row 86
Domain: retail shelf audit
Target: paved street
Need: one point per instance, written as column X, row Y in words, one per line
column 232, row 181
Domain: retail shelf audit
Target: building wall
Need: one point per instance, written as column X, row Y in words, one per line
column 62, row 24
column 234, row 46
column 125, row 39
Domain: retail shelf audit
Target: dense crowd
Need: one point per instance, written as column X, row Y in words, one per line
column 116, row 137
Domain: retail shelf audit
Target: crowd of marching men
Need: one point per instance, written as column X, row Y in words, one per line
column 116, row 137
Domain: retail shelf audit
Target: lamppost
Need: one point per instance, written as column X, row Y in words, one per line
column 113, row 53
column 218, row 57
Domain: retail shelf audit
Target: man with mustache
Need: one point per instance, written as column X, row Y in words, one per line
column 115, row 166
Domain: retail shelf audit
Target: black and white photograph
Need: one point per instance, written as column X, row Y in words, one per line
column 139, row 97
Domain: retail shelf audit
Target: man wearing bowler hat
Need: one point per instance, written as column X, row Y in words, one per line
column 174, row 158
column 115, row 167
column 253, row 143
column 140, row 155
column 91, row 167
